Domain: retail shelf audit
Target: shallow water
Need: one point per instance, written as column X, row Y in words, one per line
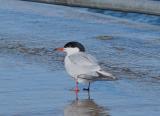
column 136, row 17
column 33, row 80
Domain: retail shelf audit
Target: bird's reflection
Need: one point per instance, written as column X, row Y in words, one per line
column 85, row 107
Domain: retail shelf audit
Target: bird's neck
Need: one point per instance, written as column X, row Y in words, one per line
column 71, row 53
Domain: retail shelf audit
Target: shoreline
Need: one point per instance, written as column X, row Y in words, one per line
column 143, row 6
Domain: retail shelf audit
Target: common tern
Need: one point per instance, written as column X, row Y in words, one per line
column 82, row 67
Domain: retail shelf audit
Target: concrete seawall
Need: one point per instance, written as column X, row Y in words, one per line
column 141, row 6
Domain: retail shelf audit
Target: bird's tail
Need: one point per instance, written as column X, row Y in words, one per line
column 105, row 75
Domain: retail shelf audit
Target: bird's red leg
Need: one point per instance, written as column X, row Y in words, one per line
column 76, row 89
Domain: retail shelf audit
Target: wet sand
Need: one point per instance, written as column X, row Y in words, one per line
column 33, row 81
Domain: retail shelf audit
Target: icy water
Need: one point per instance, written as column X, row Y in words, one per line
column 33, row 81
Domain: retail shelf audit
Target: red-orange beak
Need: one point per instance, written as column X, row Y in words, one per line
column 59, row 49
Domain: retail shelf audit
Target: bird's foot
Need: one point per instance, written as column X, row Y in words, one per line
column 75, row 89
column 86, row 89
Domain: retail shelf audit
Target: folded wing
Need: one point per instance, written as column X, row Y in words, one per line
column 86, row 67
column 84, row 62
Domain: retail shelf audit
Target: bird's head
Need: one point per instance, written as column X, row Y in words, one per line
column 71, row 48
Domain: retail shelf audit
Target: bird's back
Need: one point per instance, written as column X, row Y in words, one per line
column 85, row 68
column 80, row 63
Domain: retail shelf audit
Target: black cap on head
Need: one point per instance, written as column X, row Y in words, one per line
column 74, row 44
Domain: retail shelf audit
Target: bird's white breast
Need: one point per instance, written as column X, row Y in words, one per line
column 72, row 69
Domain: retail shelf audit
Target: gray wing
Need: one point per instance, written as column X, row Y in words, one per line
column 87, row 68
column 84, row 61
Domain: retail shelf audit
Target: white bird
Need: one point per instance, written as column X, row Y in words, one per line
column 82, row 67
